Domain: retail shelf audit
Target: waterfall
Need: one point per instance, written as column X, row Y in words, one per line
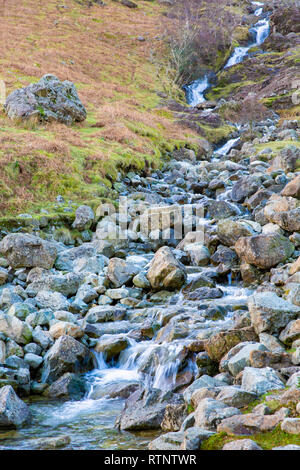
column 260, row 31
column 194, row 91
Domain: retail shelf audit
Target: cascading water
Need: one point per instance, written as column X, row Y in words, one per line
column 194, row 92
column 260, row 32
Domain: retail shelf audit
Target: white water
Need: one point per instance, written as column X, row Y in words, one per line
column 194, row 91
column 225, row 149
column 260, row 30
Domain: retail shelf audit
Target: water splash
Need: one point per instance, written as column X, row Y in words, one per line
column 195, row 91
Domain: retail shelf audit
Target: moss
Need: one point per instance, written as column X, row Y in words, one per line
column 266, row 440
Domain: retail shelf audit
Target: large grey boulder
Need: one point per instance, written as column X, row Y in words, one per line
column 270, row 313
column 241, row 359
column 264, row 251
column 13, row 411
column 27, row 251
column 165, row 270
column 52, row 300
column 145, row 409
column 67, row 284
column 260, row 381
column 66, row 355
column 234, row 396
column 242, row 444
column 49, row 99
column 119, row 271
column 210, row 413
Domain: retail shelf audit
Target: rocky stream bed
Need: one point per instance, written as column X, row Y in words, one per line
column 167, row 323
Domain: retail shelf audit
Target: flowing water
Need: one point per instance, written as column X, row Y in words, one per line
column 155, row 363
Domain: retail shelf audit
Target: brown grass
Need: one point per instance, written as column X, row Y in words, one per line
column 97, row 49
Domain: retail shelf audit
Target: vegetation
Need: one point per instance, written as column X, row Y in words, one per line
column 101, row 49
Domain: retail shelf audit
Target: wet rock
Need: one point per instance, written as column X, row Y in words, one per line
column 146, row 409
column 174, row 417
column 111, row 345
column 198, row 254
column 23, row 250
column 242, row 444
column 69, row 386
column 66, row 355
column 165, row 271
column 210, row 413
column 14, row 413
column 264, row 251
column 49, row 99
column 204, row 293
column 33, row 360
column 260, row 381
column 52, row 443
column 270, row 313
column 84, row 218
column 124, row 390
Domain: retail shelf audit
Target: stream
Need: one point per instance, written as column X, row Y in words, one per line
column 156, row 363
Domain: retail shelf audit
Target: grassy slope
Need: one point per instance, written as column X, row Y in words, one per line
column 98, row 49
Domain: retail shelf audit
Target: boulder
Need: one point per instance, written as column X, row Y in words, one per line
column 270, row 313
column 146, row 409
column 292, row 189
column 165, row 271
column 251, row 423
column 52, row 300
column 210, row 413
column 242, row 444
column 241, row 359
column 65, row 328
column 220, row 343
column 260, row 381
column 291, row 332
column 174, row 417
column 27, row 251
column 15, row 329
column 291, row 425
column 193, row 438
column 230, row 231
column 264, row 251
column 243, row 188
column 66, row 355
column 14, row 413
column 168, row 441
column 234, row 396
column 120, row 272
column 49, row 99
column 111, row 345
column 69, row 386
column 105, row 313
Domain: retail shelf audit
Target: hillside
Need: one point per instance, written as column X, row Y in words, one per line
column 106, row 51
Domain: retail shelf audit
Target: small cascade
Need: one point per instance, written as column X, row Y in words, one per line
column 225, row 149
column 195, row 91
column 260, row 32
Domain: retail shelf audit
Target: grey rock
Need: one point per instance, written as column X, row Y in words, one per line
column 49, row 99
column 260, row 381
column 23, row 250
column 14, row 413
